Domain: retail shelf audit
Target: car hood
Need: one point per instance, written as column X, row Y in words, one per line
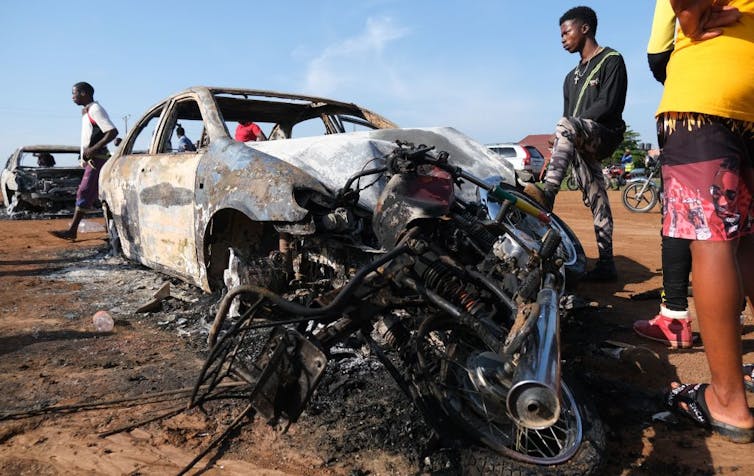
column 333, row 159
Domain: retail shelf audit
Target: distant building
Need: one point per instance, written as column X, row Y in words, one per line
column 543, row 143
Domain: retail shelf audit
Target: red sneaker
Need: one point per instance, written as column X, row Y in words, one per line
column 675, row 333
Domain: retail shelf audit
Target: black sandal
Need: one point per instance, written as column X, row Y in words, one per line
column 696, row 409
column 749, row 372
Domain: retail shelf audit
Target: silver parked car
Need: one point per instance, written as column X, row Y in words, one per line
column 521, row 156
column 190, row 213
column 41, row 178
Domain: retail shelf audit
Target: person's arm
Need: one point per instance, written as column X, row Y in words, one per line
column 661, row 39
column 106, row 139
column 110, row 132
column 658, row 64
column 258, row 132
column 704, row 19
column 612, row 91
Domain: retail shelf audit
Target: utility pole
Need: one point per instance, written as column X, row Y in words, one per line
column 125, row 124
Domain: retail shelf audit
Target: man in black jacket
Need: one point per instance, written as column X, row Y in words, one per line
column 592, row 127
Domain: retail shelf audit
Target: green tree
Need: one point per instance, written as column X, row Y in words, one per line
column 631, row 142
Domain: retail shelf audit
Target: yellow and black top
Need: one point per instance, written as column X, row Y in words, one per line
column 661, row 40
column 715, row 76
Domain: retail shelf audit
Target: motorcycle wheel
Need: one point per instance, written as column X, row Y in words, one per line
column 637, row 200
column 447, row 357
column 571, row 183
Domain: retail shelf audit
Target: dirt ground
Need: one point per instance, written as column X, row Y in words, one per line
column 52, row 360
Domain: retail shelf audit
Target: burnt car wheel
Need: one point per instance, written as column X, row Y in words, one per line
column 112, row 233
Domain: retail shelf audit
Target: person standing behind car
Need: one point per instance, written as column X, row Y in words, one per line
column 248, row 131
column 592, row 127
column 706, row 121
column 184, row 143
column 96, row 132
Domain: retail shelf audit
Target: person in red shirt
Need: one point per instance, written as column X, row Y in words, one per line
column 247, row 131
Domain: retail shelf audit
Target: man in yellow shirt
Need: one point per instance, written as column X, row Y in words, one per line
column 706, row 121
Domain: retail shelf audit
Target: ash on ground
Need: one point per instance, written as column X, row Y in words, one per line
column 356, row 409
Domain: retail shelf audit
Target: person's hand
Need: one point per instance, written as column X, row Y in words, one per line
column 704, row 19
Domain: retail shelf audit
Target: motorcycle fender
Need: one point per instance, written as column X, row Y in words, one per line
column 292, row 368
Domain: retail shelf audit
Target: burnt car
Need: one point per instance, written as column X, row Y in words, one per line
column 41, row 178
column 273, row 203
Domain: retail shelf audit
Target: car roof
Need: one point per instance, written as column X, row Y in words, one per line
column 504, row 144
column 271, row 106
column 50, row 148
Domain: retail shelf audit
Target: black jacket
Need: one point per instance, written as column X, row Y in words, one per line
column 597, row 90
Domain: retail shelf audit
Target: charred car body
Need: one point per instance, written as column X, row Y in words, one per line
column 41, row 178
column 181, row 212
column 419, row 241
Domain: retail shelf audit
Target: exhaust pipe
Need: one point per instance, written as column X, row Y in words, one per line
column 534, row 398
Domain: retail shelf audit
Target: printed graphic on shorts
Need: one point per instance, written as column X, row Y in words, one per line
column 706, row 201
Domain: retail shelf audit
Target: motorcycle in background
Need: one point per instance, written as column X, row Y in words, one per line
column 642, row 194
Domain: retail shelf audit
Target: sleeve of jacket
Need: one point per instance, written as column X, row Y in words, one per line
column 661, row 39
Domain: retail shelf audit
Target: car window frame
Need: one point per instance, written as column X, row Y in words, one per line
column 139, row 127
column 170, row 119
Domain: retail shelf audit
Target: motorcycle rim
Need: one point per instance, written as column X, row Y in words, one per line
column 639, row 197
column 571, row 183
column 447, row 354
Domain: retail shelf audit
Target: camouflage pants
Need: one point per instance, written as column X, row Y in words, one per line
column 582, row 143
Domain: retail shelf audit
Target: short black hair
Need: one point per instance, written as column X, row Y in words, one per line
column 179, row 130
column 583, row 14
column 84, row 87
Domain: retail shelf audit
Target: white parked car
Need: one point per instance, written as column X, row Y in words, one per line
column 521, row 156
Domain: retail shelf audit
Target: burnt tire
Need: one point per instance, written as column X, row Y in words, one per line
column 112, row 235
column 588, row 459
column 449, row 353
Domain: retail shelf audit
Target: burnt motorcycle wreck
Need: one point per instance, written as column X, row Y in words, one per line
column 459, row 300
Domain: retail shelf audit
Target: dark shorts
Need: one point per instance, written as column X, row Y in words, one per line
column 708, row 176
column 88, row 190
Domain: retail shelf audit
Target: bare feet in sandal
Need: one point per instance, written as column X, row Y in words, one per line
column 692, row 401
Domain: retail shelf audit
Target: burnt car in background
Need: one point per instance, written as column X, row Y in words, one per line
column 182, row 212
column 41, row 178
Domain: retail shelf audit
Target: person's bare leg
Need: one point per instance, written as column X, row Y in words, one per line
column 71, row 232
column 78, row 215
column 717, row 297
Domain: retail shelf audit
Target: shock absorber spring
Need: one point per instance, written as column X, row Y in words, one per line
column 440, row 278
column 396, row 334
column 472, row 226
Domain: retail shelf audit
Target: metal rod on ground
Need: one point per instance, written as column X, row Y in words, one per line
column 95, row 405
column 172, row 412
column 213, row 443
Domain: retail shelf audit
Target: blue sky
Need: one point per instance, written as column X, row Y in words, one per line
column 492, row 69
